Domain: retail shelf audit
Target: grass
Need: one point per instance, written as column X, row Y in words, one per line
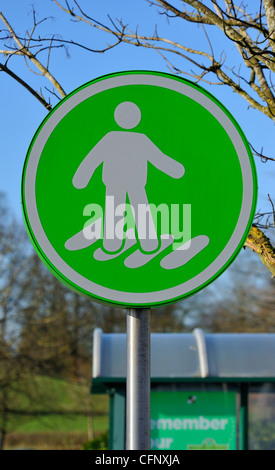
column 48, row 423
column 46, row 441
column 48, row 414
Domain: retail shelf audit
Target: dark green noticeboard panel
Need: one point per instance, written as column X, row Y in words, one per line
column 193, row 421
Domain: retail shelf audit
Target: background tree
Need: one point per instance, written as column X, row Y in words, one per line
column 12, row 260
column 244, row 306
column 45, row 331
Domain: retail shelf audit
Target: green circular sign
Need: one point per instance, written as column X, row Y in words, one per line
column 139, row 189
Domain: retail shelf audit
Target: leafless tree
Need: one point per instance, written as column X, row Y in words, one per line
column 12, row 259
column 247, row 305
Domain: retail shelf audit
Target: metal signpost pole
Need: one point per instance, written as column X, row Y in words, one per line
column 138, row 379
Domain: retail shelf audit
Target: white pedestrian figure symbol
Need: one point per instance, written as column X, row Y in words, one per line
column 125, row 156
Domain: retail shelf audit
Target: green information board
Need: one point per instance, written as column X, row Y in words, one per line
column 193, row 420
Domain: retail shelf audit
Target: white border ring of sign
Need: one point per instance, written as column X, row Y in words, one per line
column 142, row 298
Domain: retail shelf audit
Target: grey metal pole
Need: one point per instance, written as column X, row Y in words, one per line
column 138, row 379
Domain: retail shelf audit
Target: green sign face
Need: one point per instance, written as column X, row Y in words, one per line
column 193, row 420
column 138, row 189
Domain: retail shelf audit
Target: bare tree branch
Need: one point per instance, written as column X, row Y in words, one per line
column 270, row 16
column 258, row 242
column 232, row 20
column 24, row 50
column 39, row 97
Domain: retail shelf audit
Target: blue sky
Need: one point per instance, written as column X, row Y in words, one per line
column 21, row 113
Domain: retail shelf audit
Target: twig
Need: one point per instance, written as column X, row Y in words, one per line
column 27, row 53
column 273, row 210
column 4, row 68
